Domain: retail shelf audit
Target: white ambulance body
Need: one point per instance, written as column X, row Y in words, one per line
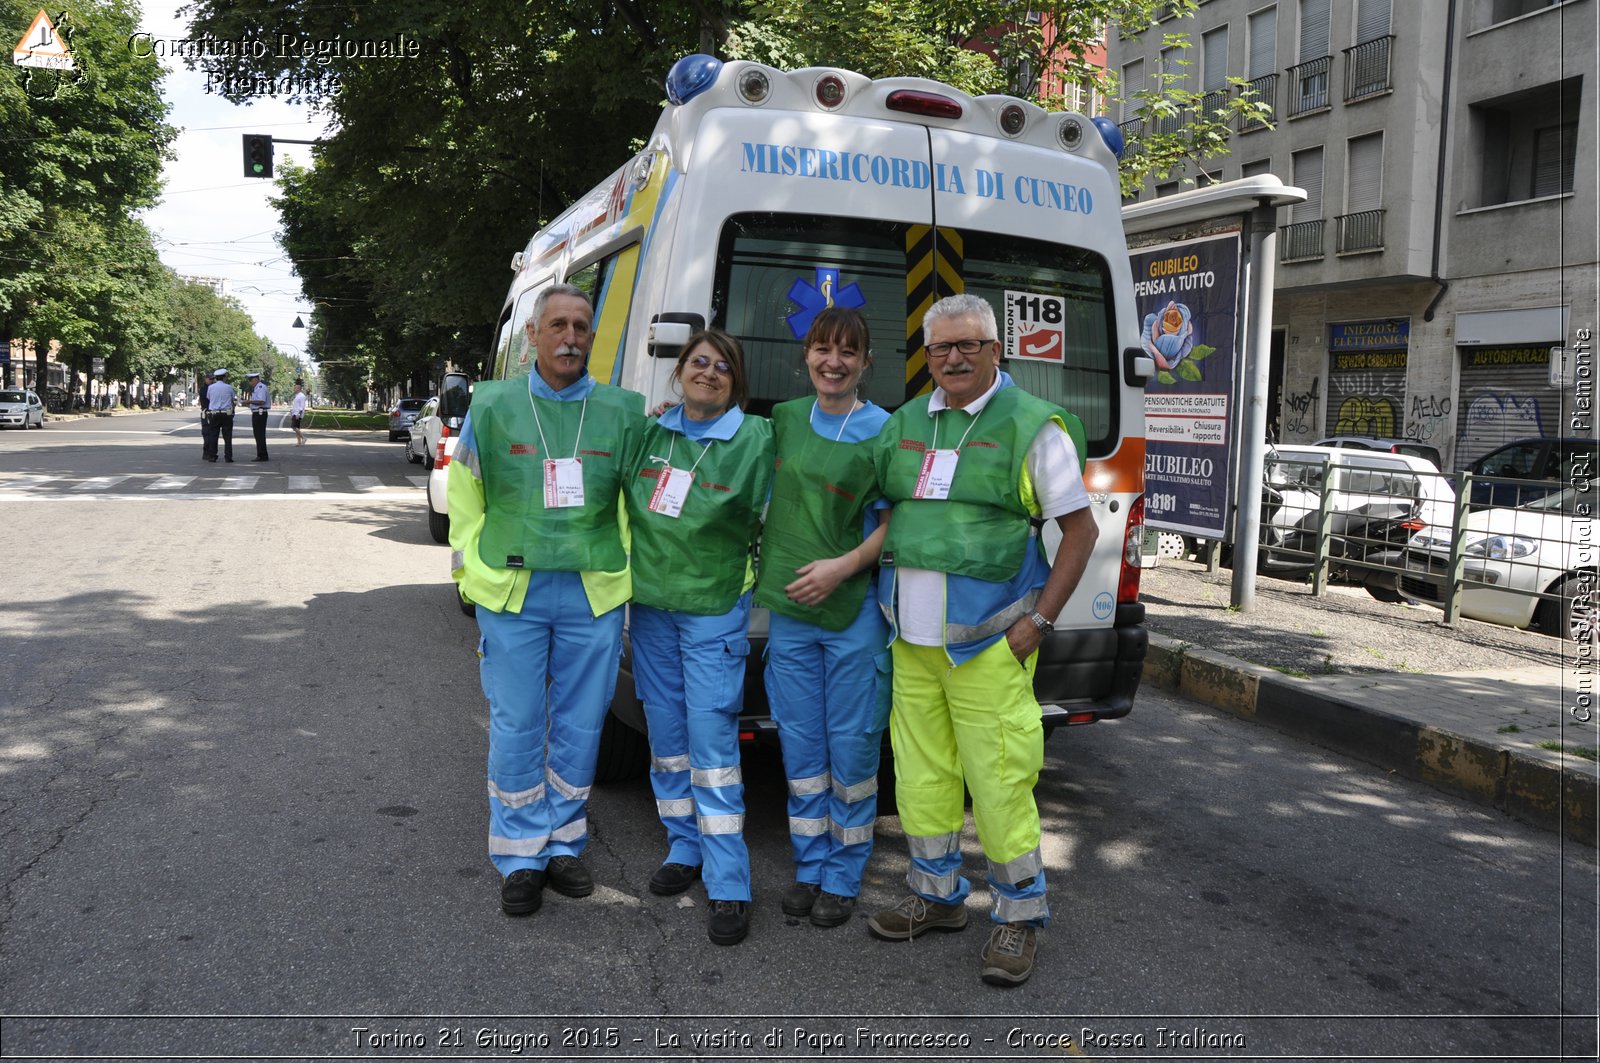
column 763, row 196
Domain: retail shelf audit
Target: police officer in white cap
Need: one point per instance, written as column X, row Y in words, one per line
column 260, row 400
column 219, row 416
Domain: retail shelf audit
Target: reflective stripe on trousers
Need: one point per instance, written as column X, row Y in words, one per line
column 689, row 671
column 543, row 740
column 828, row 693
column 975, row 723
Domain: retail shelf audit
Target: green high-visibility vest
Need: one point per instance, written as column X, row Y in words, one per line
column 981, row 529
column 820, row 494
column 520, row 530
column 696, row 562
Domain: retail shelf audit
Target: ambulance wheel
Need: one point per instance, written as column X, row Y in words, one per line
column 438, row 524
column 624, row 752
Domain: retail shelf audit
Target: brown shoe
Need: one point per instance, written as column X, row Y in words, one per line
column 1008, row 955
column 914, row 915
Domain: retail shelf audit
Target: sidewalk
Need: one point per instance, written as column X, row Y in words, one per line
column 1464, row 709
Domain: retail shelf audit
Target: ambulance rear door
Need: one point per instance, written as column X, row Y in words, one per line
column 784, row 213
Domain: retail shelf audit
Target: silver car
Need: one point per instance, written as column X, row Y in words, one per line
column 20, row 409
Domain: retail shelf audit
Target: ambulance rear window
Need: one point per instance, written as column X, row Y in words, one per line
column 774, row 271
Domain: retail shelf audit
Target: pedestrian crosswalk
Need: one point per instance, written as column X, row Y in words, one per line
column 176, row 485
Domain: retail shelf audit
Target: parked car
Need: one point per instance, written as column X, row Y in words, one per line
column 1512, row 555
column 1379, row 500
column 402, row 416
column 21, row 409
column 419, row 447
column 1541, row 465
column 1386, row 445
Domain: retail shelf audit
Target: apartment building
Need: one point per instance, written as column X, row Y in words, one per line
column 1449, row 239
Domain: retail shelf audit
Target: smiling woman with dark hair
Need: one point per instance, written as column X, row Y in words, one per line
column 694, row 507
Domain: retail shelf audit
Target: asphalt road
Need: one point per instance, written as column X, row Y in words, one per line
column 242, row 810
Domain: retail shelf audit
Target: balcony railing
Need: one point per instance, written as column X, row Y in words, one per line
column 1132, row 130
column 1366, row 69
column 1362, row 231
column 1300, row 241
column 1171, row 123
column 1308, row 86
column 1212, row 102
column 1264, row 89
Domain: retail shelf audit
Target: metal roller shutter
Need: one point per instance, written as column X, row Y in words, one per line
column 1367, row 393
column 1505, row 394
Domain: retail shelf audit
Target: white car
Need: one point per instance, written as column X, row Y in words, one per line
column 1367, row 486
column 424, row 435
column 1513, row 556
column 20, row 409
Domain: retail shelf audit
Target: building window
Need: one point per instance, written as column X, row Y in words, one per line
column 1256, row 169
column 1132, row 84
column 1360, row 227
column 1168, row 189
column 1302, row 237
column 1527, row 143
column 1506, row 10
column 1366, row 63
column 1213, row 71
column 1262, row 30
column 1308, row 79
column 1172, row 65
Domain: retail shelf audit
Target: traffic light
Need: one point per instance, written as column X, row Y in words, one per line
column 257, row 155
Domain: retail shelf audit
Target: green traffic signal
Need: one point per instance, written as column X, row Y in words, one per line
column 257, row 155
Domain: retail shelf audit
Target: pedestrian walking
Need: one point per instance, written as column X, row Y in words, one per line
column 536, row 541
column 970, row 469
column 828, row 661
column 297, row 412
column 694, row 508
column 219, row 402
column 260, row 402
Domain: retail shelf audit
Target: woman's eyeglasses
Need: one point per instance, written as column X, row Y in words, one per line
column 700, row 361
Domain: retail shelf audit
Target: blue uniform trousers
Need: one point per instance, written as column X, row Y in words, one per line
column 690, row 675
column 830, row 696
column 549, row 673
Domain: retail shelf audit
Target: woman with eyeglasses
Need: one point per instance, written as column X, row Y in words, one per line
column 827, row 671
column 694, row 508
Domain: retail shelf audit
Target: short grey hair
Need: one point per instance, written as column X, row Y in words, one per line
column 960, row 305
column 556, row 289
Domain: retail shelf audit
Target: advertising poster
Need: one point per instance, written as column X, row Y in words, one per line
column 1187, row 298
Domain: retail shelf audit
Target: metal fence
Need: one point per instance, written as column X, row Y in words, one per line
column 1517, row 552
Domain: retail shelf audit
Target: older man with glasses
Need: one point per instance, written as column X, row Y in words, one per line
column 972, row 470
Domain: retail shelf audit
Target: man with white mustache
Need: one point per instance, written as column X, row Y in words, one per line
column 972, row 469
column 536, row 544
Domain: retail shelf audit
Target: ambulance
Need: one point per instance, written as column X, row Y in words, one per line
column 763, row 196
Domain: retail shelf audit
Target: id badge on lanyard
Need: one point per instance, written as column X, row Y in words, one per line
column 938, row 470
column 672, row 490
column 563, row 483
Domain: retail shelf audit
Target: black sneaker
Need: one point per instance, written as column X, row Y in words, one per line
column 832, row 909
column 673, row 878
column 729, row 921
column 522, row 892
column 568, row 877
column 798, row 899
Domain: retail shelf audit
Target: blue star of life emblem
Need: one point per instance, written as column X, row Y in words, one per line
column 814, row 298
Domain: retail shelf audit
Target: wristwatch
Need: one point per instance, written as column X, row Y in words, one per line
column 1044, row 626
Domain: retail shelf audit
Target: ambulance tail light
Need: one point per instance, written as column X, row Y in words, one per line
column 1012, row 119
column 754, row 87
column 1132, row 543
column 829, row 92
column 927, row 104
column 441, row 459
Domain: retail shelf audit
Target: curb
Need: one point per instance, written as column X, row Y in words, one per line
column 1545, row 793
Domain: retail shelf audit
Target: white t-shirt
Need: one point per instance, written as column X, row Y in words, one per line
column 297, row 405
column 1052, row 463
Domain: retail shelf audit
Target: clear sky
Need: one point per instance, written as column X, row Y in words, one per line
column 212, row 220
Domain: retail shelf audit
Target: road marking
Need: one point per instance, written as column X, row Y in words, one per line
column 305, row 483
column 418, row 481
column 171, row 483
column 100, row 483
column 238, row 483
column 26, row 482
column 365, row 483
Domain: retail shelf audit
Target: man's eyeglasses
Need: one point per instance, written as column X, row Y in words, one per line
column 700, row 361
column 942, row 350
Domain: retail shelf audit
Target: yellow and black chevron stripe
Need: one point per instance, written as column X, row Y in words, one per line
column 934, row 267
